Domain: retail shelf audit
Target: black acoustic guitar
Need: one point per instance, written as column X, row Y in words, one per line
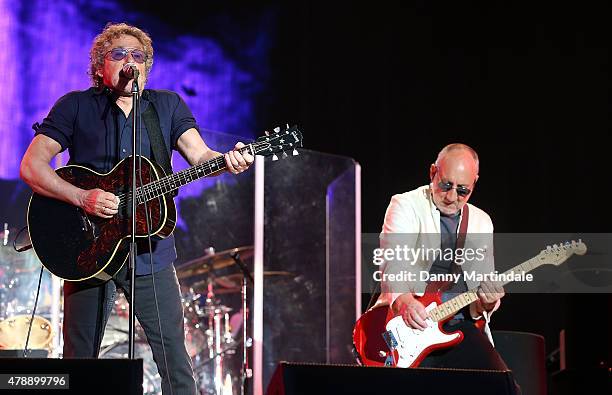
column 76, row 246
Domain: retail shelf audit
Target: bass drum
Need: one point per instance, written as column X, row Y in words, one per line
column 151, row 380
column 14, row 332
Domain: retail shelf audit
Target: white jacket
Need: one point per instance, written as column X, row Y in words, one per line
column 412, row 218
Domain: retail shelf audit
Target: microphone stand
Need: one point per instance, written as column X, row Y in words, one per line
column 246, row 343
column 132, row 258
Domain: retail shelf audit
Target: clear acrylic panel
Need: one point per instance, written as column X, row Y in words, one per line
column 310, row 280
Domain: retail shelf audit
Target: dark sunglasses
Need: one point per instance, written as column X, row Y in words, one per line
column 117, row 54
column 461, row 190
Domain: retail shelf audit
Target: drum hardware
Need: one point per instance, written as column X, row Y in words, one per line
column 208, row 327
column 212, row 365
column 246, row 274
column 200, row 340
column 232, row 283
column 211, row 261
column 209, row 323
column 215, row 313
column 228, row 350
column 218, row 339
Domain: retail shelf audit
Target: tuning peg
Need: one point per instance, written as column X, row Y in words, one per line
column 295, row 152
column 284, row 154
column 274, row 157
column 276, row 129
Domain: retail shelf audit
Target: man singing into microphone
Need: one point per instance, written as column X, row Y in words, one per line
column 95, row 126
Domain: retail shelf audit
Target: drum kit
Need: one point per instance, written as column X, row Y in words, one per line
column 214, row 320
column 214, row 295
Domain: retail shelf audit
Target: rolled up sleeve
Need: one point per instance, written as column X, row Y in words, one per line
column 59, row 123
column 182, row 120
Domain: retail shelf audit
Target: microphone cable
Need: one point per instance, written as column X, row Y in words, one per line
column 25, row 347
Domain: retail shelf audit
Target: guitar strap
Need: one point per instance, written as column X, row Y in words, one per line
column 158, row 146
column 461, row 234
column 159, row 150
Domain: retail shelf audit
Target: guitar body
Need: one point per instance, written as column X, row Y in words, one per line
column 383, row 339
column 77, row 246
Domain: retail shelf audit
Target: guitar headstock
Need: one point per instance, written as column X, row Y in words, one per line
column 559, row 253
column 289, row 138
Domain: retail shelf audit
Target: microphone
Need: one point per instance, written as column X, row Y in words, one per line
column 129, row 71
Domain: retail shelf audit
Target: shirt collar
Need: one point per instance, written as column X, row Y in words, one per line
column 104, row 91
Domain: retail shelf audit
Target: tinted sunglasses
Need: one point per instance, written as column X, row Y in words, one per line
column 117, row 54
column 461, row 190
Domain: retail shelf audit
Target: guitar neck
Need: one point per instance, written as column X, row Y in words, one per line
column 270, row 144
column 452, row 306
column 174, row 181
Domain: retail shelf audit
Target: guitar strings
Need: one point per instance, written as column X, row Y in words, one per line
column 156, row 188
column 167, row 184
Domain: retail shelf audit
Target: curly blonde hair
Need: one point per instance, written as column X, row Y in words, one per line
column 102, row 42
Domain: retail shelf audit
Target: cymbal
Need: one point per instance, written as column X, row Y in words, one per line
column 206, row 263
column 233, row 282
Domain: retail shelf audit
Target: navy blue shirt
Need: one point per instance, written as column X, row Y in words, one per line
column 98, row 135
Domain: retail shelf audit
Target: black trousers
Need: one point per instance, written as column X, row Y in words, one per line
column 474, row 352
column 87, row 308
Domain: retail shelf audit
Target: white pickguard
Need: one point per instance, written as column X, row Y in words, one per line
column 412, row 342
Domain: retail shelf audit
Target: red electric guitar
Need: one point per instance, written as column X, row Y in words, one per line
column 383, row 339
